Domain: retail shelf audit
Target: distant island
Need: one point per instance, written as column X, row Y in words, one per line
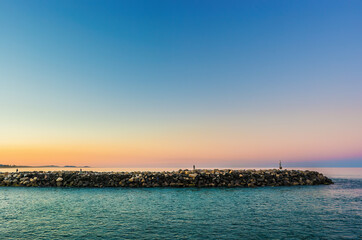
column 46, row 166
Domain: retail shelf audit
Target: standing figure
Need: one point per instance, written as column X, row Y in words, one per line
column 280, row 165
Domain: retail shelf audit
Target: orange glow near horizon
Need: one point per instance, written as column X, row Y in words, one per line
column 218, row 142
column 170, row 152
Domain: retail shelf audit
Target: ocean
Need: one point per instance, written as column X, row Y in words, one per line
column 298, row 212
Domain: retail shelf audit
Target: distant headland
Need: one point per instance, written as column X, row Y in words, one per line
column 45, row 166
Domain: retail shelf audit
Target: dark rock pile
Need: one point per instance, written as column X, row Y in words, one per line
column 181, row 178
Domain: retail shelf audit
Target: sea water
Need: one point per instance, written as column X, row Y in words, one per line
column 298, row 212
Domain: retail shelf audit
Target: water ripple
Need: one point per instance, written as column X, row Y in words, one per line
column 303, row 212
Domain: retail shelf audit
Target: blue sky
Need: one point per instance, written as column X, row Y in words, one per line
column 272, row 71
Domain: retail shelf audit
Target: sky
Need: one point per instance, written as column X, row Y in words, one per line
column 176, row 83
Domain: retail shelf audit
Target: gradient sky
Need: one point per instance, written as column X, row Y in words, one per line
column 175, row 83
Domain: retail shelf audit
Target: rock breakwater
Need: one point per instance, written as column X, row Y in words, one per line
column 181, row 178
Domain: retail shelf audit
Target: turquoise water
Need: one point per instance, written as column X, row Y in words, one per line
column 301, row 212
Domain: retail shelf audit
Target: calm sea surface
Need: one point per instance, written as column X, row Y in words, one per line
column 300, row 212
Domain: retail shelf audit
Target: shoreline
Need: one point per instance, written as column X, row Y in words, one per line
column 180, row 178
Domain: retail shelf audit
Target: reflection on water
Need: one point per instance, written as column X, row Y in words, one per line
column 329, row 172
